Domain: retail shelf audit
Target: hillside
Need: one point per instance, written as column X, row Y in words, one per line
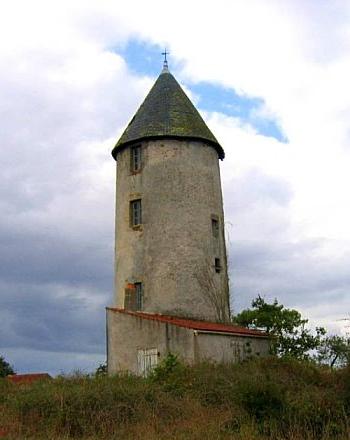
column 260, row 399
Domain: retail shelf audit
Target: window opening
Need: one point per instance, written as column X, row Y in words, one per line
column 130, row 297
column 139, row 296
column 136, row 158
column 215, row 227
column 217, row 265
column 133, row 299
column 135, row 212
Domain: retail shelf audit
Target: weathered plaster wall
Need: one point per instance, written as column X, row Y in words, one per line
column 228, row 348
column 127, row 334
column 179, row 185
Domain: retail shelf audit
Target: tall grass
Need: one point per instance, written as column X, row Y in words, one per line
column 260, row 399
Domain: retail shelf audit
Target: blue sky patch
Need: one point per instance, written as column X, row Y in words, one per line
column 217, row 98
column 146, row 59
column 142, row 58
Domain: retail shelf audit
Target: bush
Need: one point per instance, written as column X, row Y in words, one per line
column 261, row 399
column 5, row 368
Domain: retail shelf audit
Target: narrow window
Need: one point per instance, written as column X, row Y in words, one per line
column 217, row 265
column 139, row 296
column 215, row 227
column 135, row 162
column 135, row 212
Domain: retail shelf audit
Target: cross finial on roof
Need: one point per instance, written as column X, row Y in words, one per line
column 165, row 63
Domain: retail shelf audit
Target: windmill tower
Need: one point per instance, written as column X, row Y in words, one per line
column 169, row 214
column 170, row 262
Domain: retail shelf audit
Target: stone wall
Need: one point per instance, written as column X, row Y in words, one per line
column 228, row 348
column 128, row 333
column 180, row 189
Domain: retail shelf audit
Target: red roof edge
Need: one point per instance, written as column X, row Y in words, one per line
column 205, row 326
column 28, row 378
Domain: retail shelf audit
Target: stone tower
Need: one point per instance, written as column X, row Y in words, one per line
column 171, row 270
column 170, row 243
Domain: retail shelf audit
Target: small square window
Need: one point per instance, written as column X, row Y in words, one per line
column 217, row 265
column 135, row 212
column 215, row 227
column 135, row 158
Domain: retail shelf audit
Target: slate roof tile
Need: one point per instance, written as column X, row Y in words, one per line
column 167, row 112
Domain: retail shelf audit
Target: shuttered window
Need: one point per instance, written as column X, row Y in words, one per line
column 146, row 360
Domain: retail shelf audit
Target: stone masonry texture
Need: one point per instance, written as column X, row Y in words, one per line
column 179, row 186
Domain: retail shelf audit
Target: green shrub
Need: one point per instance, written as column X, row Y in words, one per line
column 169, row 375
column 260, row 399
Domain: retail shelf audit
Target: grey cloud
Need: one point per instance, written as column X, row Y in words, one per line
column 50, row 256
column 264, row 256
column 291, row 272
column 52, row 318
column 56, row 228
column 256, row 187
column 26, row 360
column 257, row 206
column 56, row 239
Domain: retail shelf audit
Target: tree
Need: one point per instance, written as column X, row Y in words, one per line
column 5, row 368
column 287, row 328
column 101, row 370
column 215, row 290
column 335, row 351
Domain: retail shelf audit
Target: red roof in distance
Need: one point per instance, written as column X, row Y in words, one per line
column 28, row 378
column 193, row 324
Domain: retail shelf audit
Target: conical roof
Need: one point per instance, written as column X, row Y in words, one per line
column 167, row 112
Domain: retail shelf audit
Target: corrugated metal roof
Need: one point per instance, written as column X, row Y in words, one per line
column 193, row 324
column 167, row 112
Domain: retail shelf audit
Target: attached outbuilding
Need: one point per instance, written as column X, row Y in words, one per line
column 139, row 341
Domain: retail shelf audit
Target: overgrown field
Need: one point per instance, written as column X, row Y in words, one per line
column 260, row 399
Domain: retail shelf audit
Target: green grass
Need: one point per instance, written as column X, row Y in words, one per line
column 260, row 399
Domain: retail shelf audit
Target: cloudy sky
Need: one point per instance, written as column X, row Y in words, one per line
column 270, row 77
